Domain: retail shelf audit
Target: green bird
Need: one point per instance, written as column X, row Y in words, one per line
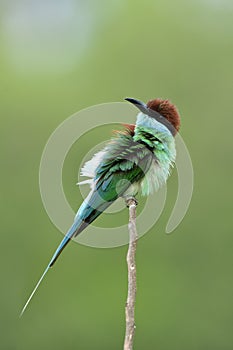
column 136, row 159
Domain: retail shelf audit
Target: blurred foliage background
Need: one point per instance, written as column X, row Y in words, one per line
column 57, row 57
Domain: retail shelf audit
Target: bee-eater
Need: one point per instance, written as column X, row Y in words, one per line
column 136, row 159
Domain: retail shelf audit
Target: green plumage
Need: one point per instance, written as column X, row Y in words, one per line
column 133, row 160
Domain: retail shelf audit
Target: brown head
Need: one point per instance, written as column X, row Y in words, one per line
column 167, row 110
column 161, row 110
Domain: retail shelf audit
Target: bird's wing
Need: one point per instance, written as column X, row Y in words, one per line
column 124, row 163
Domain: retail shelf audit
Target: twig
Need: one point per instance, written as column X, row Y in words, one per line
column 130, row 304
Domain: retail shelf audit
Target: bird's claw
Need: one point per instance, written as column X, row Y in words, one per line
column 130, row 201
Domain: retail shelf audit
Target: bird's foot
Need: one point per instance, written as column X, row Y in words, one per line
column 130, row 200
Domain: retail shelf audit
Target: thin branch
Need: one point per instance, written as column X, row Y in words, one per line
column 131, row 262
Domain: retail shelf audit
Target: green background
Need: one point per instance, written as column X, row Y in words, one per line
column 57, row 57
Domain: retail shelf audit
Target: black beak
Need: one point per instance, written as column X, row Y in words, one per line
column 151, row 113
column 143, row 108
column 140, row 105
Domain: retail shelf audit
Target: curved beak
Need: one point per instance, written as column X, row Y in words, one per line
column 151, row 113
column 140, row 105
column 143, row 108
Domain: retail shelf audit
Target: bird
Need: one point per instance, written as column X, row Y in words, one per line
column 138, row 158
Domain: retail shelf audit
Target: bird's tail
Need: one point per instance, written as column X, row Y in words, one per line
column 60, row 248
column 91, row 208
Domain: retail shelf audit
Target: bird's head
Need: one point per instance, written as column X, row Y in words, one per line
column 162, row 110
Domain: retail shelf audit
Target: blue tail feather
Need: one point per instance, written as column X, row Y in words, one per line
column 71, row 233
column 87, row 213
